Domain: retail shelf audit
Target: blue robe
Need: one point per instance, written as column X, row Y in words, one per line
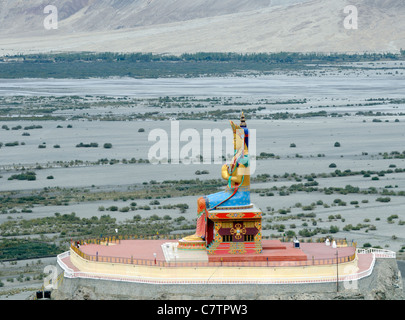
column 240, row 199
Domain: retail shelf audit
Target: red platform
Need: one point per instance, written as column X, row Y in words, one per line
column 274, row 250
column 273, row 244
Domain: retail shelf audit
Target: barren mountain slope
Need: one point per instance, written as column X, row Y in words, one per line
column 99, row 15
column 315, row 25
column 17, row 16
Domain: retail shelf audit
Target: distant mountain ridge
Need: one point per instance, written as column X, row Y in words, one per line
column 177, row 26
column 100, row 15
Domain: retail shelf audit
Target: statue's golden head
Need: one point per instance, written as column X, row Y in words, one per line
column 239, row 135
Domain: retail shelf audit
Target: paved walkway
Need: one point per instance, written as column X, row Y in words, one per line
column 145, row 249
column 138, row 249
column 321, row 251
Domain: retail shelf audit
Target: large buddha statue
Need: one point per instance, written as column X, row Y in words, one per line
column 237, row 192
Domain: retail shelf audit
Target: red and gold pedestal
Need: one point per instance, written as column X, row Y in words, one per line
column 191, row 244
column 234, row 231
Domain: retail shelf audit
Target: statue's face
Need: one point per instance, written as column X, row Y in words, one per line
column 239, row 136
column 239, row 141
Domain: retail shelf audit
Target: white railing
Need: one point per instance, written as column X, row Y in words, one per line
column 379, row 253
column 69, row 273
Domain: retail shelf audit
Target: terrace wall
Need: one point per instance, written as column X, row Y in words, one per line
column 368, row 288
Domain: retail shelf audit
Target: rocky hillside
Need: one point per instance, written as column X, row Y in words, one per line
column 178, row 26
column 99, row 15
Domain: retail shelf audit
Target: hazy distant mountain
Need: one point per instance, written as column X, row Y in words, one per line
column 177, row 26
column 98, row 15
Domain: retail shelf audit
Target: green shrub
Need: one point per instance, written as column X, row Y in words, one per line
column 180, row 219
column 348, row 227
column 11, row 144
column 333, row 229
column 107, row 146
column 87, row 145
column 392, row 217
column 290, row 234
column 33, row 127
column 383, row 199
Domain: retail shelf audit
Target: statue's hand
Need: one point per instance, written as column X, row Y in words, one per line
column 237, row 178
column 224, row 172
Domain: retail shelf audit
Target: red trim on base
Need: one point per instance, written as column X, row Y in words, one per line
column 272, row 250
column 289, row 254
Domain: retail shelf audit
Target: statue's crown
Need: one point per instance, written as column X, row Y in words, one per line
column 242, row 121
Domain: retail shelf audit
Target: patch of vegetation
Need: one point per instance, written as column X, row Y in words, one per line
column 148, row 65
column 11, row 144
column 107, row 145
column 63, row 196
column 26, row 249
column 87, row 145
column 30, row 176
